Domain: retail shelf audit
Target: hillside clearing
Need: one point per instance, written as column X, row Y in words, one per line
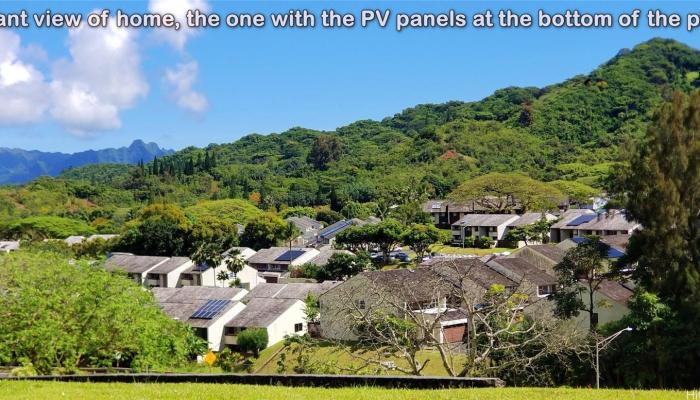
column 32, row 390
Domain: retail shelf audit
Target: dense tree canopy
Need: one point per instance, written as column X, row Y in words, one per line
column 61, row 314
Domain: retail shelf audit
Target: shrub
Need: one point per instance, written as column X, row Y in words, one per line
column 484, row 242
column 230, row 361
column 92, row 318
column 252, row 340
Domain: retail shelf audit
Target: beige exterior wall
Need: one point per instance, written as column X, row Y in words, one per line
column 613, row 311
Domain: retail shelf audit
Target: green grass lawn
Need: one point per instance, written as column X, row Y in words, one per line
column 442, row 249
column 344, row 357
column 94, row 391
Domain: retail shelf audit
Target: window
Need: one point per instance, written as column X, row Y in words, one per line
column 360, row 304
column 545, row 290
column 492, row 229
column 298, row 327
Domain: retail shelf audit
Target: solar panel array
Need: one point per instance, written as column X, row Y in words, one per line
column 333, row 229
column 210, row 309
column 290, row 255
column 581, row 220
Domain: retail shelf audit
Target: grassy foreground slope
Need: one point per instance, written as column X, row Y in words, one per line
column 80, row 391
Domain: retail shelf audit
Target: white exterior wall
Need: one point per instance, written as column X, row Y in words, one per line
column 284, row 324
column 174, row 275
column 215, row 331
column 144, row 275
column 209, row 277
column 249, row 277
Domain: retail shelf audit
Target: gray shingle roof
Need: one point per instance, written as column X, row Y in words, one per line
column 188, row 294
column 433, row 206
column 305, row 223
column 325, row 254
column 549, row 251
column 615, row 291
column 486, row 219
column 472, row 269
column 527, row 219
column 613, row 220
column 261, row 312
column 522, row 269
column 297, row 291
column 170, row 265
column 570, row 215
column 269, row 256
column 618, row 242
column 181, row 303
column 132, row 263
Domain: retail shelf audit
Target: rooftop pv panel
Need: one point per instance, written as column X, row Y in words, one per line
column 201, row 267
column 335, row 228
column 290, row 255
column 581, row 220
column 615, row 253
column 210, row 309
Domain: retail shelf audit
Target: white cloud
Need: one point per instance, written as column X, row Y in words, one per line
column 178, row 8
column 180, row 81
column 22, row 87
column 102, row 78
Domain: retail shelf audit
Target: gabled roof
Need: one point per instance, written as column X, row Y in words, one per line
column 332, row 230
column 278, row 255
column 520, row 269
column 305, row 223
column 612, row 252
column 325, row 254
column 615, row 291
column 612, row 220
column 297, row 291
column 132, row 263
column 182, row 303
column 570, row 215
column 472, row 269
column 549, row 251
column 262, row 312
column 189, row 294
column 171, row 265
column 434, row 206
column 244, row 252
column 435, row 278
column 529, row 218
column 618, row 242
column 486, row 219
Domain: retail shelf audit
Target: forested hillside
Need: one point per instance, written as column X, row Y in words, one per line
column 569, row 131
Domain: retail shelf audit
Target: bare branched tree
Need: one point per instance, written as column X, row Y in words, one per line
column 507, row 330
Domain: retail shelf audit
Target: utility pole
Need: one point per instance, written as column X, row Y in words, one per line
column 601, row 345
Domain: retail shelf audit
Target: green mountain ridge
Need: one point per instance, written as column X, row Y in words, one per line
column 567, row 131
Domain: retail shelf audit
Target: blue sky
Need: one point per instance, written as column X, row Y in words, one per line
column 216, row 85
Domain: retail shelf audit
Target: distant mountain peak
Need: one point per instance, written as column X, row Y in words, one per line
column 21, row 166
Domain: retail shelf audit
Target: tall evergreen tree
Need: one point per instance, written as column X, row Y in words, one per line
column 662, row 187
